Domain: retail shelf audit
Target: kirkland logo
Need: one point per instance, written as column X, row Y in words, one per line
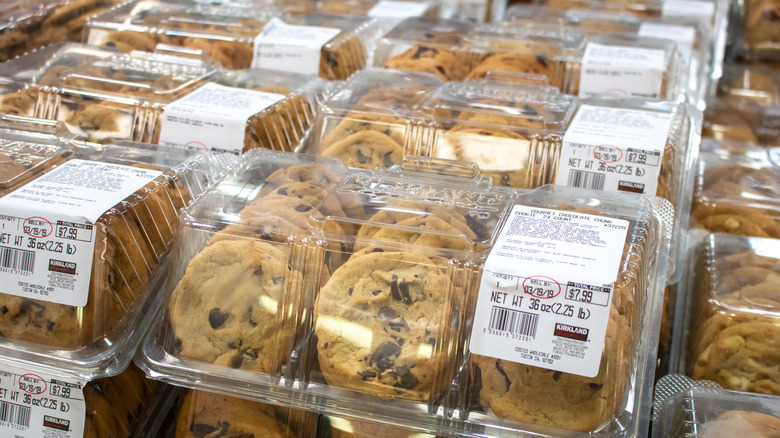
column 571, row 332
column 633, row 187
column 60, row 266
column 56, row 423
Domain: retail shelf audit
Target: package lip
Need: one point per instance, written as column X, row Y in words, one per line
column 295, row 391
column 110, row 353
column 688, row 410
column 702, row 241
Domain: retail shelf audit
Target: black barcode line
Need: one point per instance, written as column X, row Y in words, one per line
column 513, row 321
column 17, row 415
column 18, row 259
column 586, row 180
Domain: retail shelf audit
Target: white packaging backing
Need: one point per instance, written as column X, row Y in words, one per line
column 545, row 294
column 628, row 71
column 34, row 404
column 291, row 48
column 614, row 149
column 213, row 117
column 47, row 232
column 396, row 9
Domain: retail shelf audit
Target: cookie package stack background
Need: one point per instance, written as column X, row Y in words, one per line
column 389, row 218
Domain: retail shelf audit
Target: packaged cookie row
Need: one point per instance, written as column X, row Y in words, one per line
column 566, row 58
column 86, row 233
column 693, row 38
column 736, row 189
column 240, row 36
column 741, row 120
column 757, row 83
column 729, row 326
column 703, row 412
column 522, row 135
column 27, row 25
column 37, row 401
column 202, row 413
column 395, row 293
column 159, row 98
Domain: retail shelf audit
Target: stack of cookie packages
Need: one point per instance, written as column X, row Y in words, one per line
column 96, row 339
column 730, row 318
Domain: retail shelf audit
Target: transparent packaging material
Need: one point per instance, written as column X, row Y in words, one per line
column 736, row 190
column 225, row 32
column 757, row 83
column 104, row 95
column 428, row 45
column 366, row 285
column 28, row 25
column 336, row 427
column 730, row 328
column 231, row 35
column 707, row 413
column 571, row 60
column 203, row 413
column 693, row 38
column 515, row 132
column 739, row 120
column 127, row 252
column 388, row 12
column 759, row 30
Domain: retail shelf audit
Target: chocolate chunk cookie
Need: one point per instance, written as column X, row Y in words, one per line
column 366, row 150
column 227, row 308
column 378, row 320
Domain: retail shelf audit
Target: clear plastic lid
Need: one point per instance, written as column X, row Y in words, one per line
column 708, row 413
column 225, row 32
column 365, row 288
column 353, row 428
column 203, row 413
column 109, row 255
column 736, row 190
column 427, row 45
column 159, row 98
column 757, row 83
column 731, row 314
column 29, row 25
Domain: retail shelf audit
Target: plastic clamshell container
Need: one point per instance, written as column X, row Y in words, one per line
column 106, row 95
column 736, row 190
column 740, row 120
column 615, row 402
column 225, row 32
column 389, row 13
column 338, row 427
column 708, row 413
column 732, row 314
column 130, row 250
column 694, row 41
column 334, row 309
column 234, row 416
column 429, row 45
column 28, row 25
column 757, row 83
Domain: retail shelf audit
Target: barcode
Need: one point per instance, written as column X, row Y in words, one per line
column 586, row 180
column 17, row 259
column 513, row 321
column 15, row 414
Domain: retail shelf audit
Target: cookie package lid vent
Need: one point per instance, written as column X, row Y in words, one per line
column 178, row 67
column 441, row 169
column 672, row 384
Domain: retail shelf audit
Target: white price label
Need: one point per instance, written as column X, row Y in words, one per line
column 689, row 8
column 627, row 71
column 47, row 231
column 546, row 290
column 291, row 48
column 213, row 117
column 614, row 149
column 398, row 9
column 34, row 404
column 774, row 156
